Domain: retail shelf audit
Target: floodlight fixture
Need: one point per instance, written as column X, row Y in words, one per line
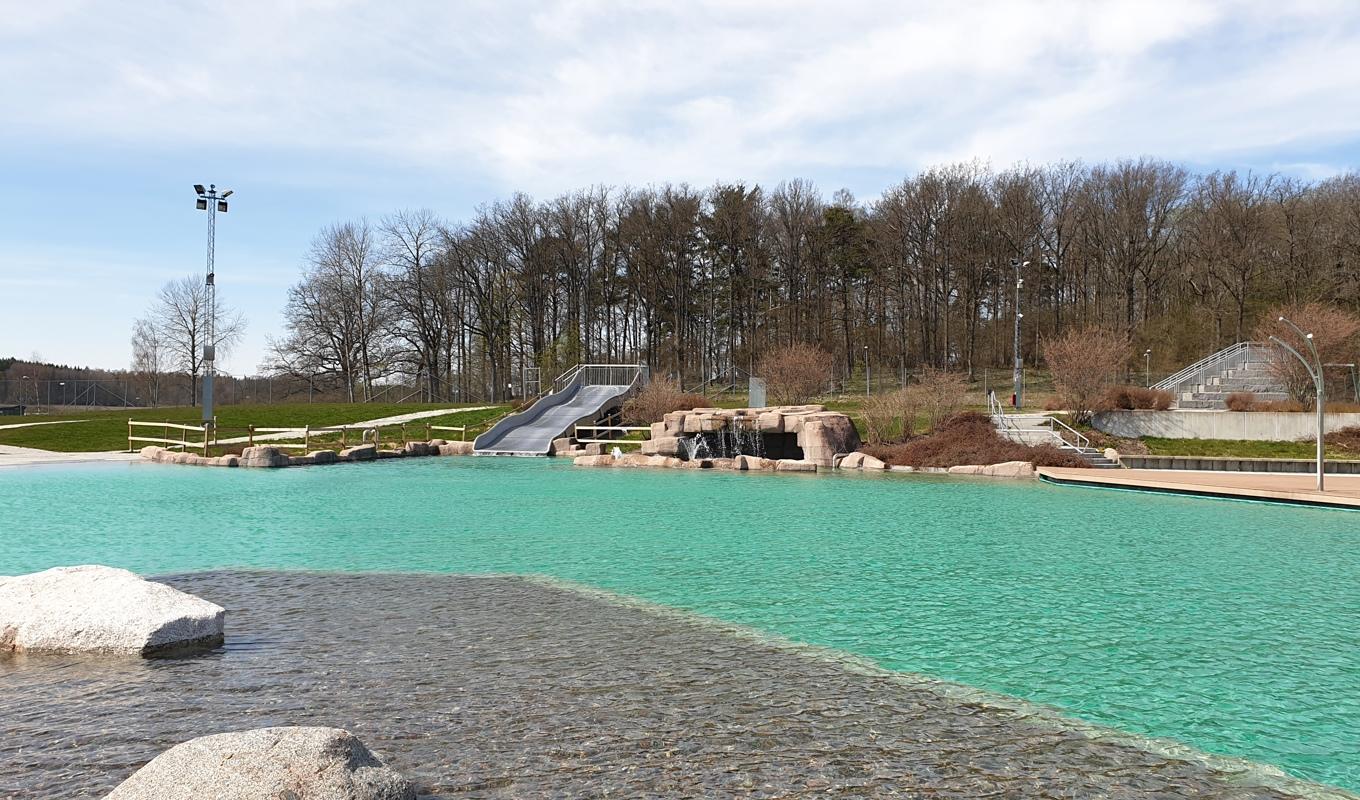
column 222, row 205
column 201, row 204
column 227, row 193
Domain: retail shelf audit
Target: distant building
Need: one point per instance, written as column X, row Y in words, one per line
column 11, row 411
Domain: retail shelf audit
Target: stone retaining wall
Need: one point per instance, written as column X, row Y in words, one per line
column 273, row 457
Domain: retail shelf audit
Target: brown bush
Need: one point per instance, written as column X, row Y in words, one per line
column 1137, row 398
column 1336, row 335
column 795, row 374
column 1346, row 439
column 1240, row 401
column 1084, row 365
column 1248, row 401
column 890, row 417
column 940, row 394
column 657, row 399
column 969, row 438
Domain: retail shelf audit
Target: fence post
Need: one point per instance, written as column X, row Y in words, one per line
column 307, row 438
column 250, row 436
column 129, row 434
column 343, row 431
column 403, row 434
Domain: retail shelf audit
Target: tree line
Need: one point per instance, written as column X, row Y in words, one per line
column 699, row 283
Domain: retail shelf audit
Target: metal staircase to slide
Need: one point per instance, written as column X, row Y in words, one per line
column 581, row 396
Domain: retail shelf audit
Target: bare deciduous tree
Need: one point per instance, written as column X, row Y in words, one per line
column 180, row 317
column 1085, row 364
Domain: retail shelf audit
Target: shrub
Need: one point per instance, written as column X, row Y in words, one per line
column 657, row 399
column 969, row 438
column 1336, row 335
column 1248, row 401
column 940, row 394
column 890, row 417
column 1240, row 401
column 796, row 374
column 1346, row 439
column 1085, row 364
column 1137, row 397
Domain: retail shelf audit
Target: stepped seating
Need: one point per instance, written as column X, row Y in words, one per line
column 1242, row 367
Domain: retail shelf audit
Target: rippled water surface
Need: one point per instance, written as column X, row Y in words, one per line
column 1233, row 627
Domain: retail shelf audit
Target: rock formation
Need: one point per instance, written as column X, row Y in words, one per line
column 96, row 609
column 267, row 764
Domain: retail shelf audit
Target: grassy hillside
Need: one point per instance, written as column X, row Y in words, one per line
column 108, row 430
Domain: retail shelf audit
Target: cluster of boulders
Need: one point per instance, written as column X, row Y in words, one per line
column 94, row 609
column 739, row 463
column 1006, row 469
column 821, row 435
column 270, row 456
column 567, row 447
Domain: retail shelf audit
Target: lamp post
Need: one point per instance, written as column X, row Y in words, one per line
column 1147, row 368
column 62, row 384
column 866, row 370
column 1019, row 363
column 1314, row 372
column 212, row 202
column 23, row 409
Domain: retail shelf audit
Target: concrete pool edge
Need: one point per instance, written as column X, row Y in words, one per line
column 1251, row 773
column 1210, row 484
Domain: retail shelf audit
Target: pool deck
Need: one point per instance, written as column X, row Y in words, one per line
column 1343, row 491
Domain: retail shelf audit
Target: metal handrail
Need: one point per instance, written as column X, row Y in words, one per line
column 1052, row 424
column 1201, row 368
column 1054, row 421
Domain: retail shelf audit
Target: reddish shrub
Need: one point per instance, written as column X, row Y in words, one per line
column 1137, row 397
column 1346, row 439
column 969, row 438
column 1240, row 401
column 796, row 374
column 657, row 399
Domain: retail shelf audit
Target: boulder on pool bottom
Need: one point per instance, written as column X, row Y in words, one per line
column 97, row 609
column 301, row 763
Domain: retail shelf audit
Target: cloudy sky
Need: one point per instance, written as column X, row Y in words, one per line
column 315, row 112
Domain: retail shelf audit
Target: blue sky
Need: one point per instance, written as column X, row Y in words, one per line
column 315, row 112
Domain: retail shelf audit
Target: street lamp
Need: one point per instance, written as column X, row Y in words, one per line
column 866, row 370
column 23, row 409
column 1314, row 372
column 1147, row 368
column 62, row 384
column 212, row 202
column 1019, row 364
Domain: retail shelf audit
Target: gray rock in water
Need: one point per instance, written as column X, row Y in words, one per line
column 95, row 609
column 267, row 764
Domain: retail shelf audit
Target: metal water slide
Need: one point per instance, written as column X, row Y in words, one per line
column 581, row 396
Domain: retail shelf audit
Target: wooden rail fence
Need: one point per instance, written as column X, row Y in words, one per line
column 212, row 436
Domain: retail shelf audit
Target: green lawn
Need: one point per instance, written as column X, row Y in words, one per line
column 108, row 430
column 1231, row 448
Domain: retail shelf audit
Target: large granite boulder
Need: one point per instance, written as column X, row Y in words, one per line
column 95, row 609
column 456, row 449
column 267, row 764
column 363, row 452
column 263, row 456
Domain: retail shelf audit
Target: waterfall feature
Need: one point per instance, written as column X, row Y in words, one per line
column 740, row 438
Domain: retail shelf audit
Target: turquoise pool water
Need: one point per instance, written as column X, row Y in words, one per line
column 1233, row 627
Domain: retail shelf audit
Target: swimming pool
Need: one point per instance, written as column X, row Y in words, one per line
column 1229, row 626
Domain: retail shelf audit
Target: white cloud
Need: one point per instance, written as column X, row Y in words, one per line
column 543, row 96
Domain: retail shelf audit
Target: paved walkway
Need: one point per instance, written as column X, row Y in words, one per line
column 11, row 456
column 35, row 424
column 393, row 420
column 1343, row 491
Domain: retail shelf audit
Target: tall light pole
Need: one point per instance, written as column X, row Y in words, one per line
column 1314, row 372
column 1019, row 363
column 866, row 370
column 1147, row 368
column 212, row 202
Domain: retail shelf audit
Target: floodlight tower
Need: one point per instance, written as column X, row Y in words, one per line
column 212, row 202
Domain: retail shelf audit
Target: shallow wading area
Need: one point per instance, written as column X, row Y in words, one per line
column 509, row 687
